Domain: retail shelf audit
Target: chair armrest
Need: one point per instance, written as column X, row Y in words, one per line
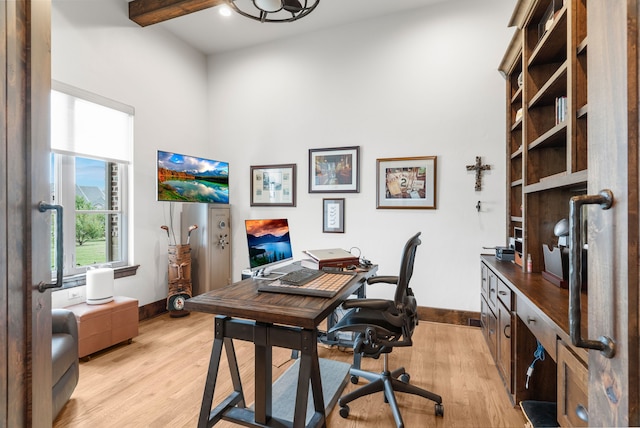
column 376, row 304
column 384, row 279
column 64, row 321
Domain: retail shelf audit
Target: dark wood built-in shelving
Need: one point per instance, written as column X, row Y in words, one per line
column 546, row 151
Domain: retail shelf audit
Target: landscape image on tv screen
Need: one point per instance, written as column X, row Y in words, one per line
column 183, row 178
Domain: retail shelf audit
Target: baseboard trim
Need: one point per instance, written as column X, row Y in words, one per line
column 152, row 309
column 449, row 316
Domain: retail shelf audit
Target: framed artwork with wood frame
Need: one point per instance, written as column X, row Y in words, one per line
column 273, row 185
column 333, row 215
column 406, row 183
column 334, row 170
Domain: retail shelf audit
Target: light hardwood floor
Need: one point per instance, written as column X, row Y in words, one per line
column 157, row 380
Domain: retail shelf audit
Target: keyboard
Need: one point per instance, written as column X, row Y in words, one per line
column 301, row 276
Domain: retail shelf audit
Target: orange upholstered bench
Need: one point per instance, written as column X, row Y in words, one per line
column 102, row 326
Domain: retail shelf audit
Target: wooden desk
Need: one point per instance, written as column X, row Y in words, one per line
column 518, row 308
column 267, row 320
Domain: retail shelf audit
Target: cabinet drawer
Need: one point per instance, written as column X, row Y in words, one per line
column 541, row 329
column 492, row 288
column 485, row 280
column 504, row 294
column 573, row 381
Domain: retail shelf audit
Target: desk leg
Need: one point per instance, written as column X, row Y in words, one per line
column 233, row 368
column 263, row 373
column 309, row 370
column 208, row 417
column 210, row 384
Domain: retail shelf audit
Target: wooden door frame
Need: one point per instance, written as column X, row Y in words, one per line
column 25, row 337
column 614, row 295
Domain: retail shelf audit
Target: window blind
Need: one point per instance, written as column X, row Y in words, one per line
column 85, row 124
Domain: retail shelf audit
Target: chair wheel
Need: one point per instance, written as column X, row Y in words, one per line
column 354, row 380
column 439, row 409
column 404, row 378
column 344, row 411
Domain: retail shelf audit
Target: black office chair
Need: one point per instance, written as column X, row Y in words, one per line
column 380, row 325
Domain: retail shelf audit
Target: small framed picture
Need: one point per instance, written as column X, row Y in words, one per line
column 408, row 183
column 334, row 170
column 333, row 215
column 273, row 185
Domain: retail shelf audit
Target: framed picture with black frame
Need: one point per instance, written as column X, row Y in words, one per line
column 273, row 185
column 334, row 170
column 333, row 215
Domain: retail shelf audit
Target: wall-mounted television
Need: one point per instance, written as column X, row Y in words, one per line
column 183, row 178
column 269, row 243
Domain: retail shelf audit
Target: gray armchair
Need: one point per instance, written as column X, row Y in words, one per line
column 64, row 356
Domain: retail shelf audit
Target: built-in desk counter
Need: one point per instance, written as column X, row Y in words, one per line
column 518, row 308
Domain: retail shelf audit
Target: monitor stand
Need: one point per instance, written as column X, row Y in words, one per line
column 265, row 275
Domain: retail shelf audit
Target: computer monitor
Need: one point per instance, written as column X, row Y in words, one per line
column 269, row 245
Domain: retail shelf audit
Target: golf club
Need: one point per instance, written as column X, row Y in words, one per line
column 168, row 235
column 191, row 228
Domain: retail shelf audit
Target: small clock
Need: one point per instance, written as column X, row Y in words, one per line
column 176, row 303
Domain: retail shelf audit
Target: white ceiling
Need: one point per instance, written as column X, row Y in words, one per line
column 211, row 33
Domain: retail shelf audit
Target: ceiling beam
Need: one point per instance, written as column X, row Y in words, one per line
column 148, row 12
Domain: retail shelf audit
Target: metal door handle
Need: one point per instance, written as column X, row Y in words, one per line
column 604, row 344
column 42, row 286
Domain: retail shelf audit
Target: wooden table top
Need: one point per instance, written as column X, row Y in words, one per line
column 243, row 300
column 550, row 299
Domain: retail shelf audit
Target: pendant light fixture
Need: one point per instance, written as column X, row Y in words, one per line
column 273, row 10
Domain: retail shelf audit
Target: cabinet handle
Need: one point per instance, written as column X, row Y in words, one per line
column 603, row 344
column 504, row 330
column 530, row 320
column 582, row 413
column 502, row 293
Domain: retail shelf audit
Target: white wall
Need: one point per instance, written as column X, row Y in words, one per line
column 412, row 84
column 418, row 83
column 96, row 47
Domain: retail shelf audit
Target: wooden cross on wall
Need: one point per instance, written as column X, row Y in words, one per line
column 478, row 167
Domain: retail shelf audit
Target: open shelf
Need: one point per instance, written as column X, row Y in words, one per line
column 552, row 43
column 558, row 181
column 554, row 87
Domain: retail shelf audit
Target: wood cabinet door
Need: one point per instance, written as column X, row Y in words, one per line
column 504, row 345
column 613, row 234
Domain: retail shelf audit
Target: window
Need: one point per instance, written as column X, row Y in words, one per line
column 91, row 144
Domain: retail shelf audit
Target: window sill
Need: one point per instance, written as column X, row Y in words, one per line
column 81, row 279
